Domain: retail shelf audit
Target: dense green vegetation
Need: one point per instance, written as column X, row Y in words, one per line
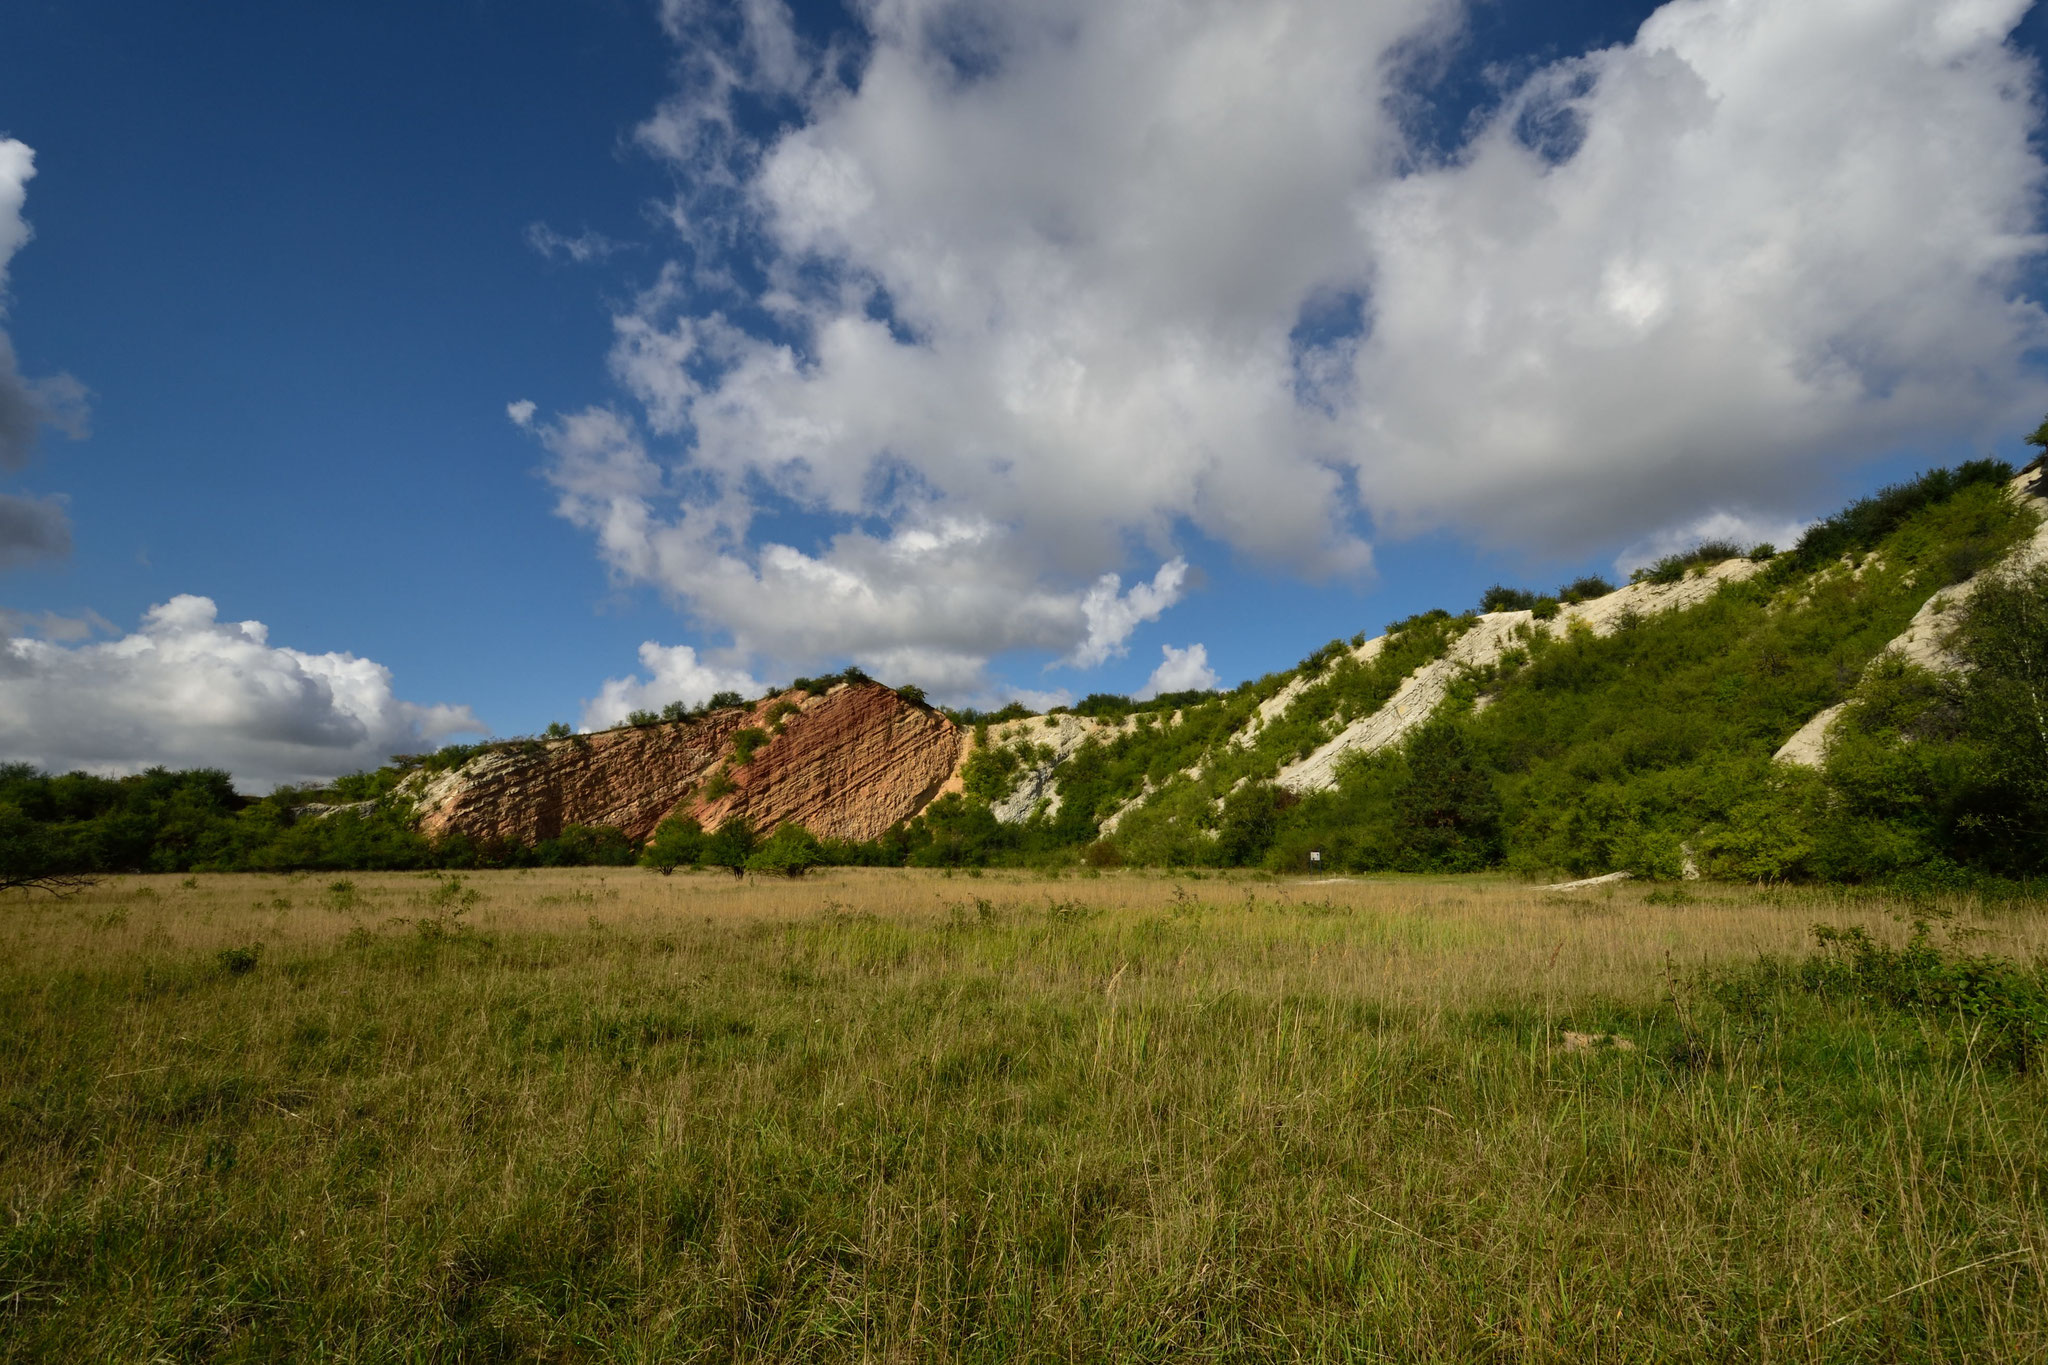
column 1653, row 745
column 1647, row 750
column 161, row 821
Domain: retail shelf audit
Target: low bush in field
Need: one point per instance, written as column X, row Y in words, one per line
column 2002, row 1003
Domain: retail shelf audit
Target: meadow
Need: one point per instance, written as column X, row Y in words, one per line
column 601, row 1114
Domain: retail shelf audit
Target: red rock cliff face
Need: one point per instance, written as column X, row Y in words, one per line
column 848, row 764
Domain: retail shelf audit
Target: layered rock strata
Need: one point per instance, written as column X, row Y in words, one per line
column 848, row 764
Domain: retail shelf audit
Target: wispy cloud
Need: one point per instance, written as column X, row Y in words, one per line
column 584, row 247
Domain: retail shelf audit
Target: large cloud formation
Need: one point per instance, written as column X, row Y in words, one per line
column 1020, row 290
column 188, row 690
column 30, row 528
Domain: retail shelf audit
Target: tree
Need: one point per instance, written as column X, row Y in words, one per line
column 1447, row 810
column 30, row 861
column 586, row 846
column 790, row 851
column 730, row 846
column 1251, row 821
column 2038, row 437
column 678, row 842
column 2003, row 641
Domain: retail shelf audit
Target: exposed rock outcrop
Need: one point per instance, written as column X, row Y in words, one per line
column 847, row 764
column 1275, row 706
column 1490, row 637
column 1060, row 734
column 850, row 765
column 1924, row 641
column 1062, row 737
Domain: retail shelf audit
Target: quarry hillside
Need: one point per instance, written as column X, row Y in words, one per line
column 1870, row 704
column 847, row 763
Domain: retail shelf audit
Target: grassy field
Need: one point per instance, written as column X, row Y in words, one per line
column 883, row 1115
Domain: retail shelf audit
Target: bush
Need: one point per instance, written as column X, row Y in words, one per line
column 1251, row 821
column 1321, row 659
column 912, row 693
column 675, row 711
column 1420, row 618
column 1673, row 567
column 557, row 730
column 989, row 774
column 239, row 961
column 746, row 742
column 1104, row 706
column 1584, row 589
column 444, row 759
column 640, row 720
column 586, row 846
column 2003, row 1002
column 1500, row 597
column 968, row 717
column 1102, row 853
column 724, row 701
column 1863, row 523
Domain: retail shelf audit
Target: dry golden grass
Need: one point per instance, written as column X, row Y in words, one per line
column 889, row 1115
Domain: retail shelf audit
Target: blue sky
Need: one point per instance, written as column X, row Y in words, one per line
column 527, row 360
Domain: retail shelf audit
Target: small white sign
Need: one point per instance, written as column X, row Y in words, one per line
column 1315, row 855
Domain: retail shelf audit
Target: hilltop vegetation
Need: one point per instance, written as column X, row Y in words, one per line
column 1647, row 749
column 1653, row 745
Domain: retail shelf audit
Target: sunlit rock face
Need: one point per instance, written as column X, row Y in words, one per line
column 847, row 764
column 854, row 762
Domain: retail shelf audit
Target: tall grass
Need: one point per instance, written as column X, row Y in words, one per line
column 896, row 1116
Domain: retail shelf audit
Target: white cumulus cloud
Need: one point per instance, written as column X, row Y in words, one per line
column 1181, row 670
column 1042, row 285
column 188, row 690
column 1758, row 241
column 674, row 674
